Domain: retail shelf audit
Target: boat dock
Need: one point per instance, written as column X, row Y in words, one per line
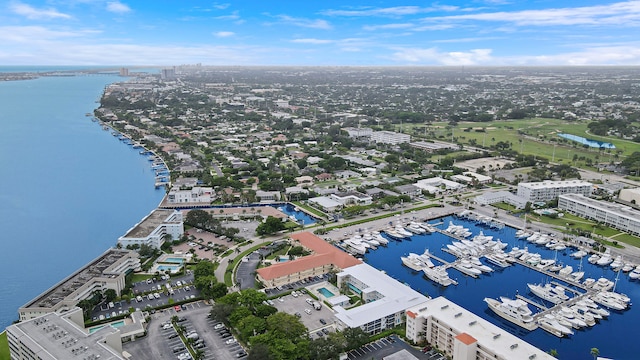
column 529, row 301
column 553, row 275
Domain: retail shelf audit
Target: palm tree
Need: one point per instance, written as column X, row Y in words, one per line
column 595, row 353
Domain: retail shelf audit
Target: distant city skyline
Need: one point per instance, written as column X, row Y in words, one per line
column 329, row 33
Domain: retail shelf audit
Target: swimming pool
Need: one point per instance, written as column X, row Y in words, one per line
column 172, row 268
column 326, row 293
column 174, row 260
column 115, row 324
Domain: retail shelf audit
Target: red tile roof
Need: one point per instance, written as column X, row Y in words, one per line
column 411, row 314
column 323, row 254
column 466, row 338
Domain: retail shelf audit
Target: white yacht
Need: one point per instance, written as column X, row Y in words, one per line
column 566, row 271
column 513, row 310
column 578, row 254
column 498, row 259
column 475, row 262
column 604, row 260
column 635, row 273
column 593, row 258
column 426, row 258
column 554, row 294
column 465, row 267
column 413, row 262
column 608, row 302
column 551, row 325
column 415, row 228
column 381, row 239
column 603, row 284
column 439, row 275
column 400, row 230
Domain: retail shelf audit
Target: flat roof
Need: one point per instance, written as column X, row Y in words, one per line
column 145, row 227
column 97, row 268
column 554, row 184
column 325, row 202
column 396, row 297
column 614, row 208
column 55, row 336
column 489, row 336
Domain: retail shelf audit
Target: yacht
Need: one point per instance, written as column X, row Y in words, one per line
column 566, row 271
column 428, row 227
column 608, row 302
column 513, row 310
column 545, row 264
column 465, row 267
column 628, row 267
column 413, row 262
column 576, row 276
column 498, row 259
column 571, row 316
column 426, row 258
column 593, row 258
column 356, row 245
column 439, row 275
column 578, row 254
column 603, row 284
column 394, row 234
column 604, row 260
column 617, row 263
column 554, row 294
column 381, row 239
column 400, row 230
column 551, row 325
column 635, row 273
column 415, row 228
column 476, row 263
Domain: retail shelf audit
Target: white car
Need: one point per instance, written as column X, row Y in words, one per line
column 230, row 341
column 219, row 326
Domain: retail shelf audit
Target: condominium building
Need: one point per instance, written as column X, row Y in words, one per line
column 324, row 258
column 385, row 299
column 389, row 137
column 463, row 335
column 153, row 229
column 352, row 198
column 107, row 271
column 62, row 336
column 196, row 194
column 550, row 190
column 614, row 215
column 358, row 132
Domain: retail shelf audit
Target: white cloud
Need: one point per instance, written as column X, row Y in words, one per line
column 312, row 41
column 117, row 7
column 32, row 13
column 222, row 34
column 388, row 26
column 393, row 11
column 464, row 40
column 221, row 6
column 233, row 16
column 33, row 34
column 621, row 13
column 302, row 22
column 436, row 57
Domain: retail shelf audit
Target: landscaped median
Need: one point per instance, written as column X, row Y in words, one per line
column 231, row 268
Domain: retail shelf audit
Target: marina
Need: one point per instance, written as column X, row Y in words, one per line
column 585, row 313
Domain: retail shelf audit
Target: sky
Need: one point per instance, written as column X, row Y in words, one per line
column 323, row 33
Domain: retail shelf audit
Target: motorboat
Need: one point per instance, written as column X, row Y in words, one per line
column 498, row 259
column 427, row 227
column 604, row 260
column 426, row 258
column 603, row 284
column 394, row 234
column 578, row 254
column 549, row 323
column 566, row 271
column 551, row 293
column 381, row 239
column 593, row 258
column 476, row 263
column 617, row 263
column 413, row 262
column 635, row 273
column 439, row 275
column 628, row 267
column 608, row 302
column 576, row 276
column 415, row 228
column 465, row 267
column 544, row 264
column 400, row 230
column 571, row 316
column 513, row 310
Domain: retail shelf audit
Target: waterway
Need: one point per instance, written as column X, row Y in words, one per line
column 613, row 336
column 69, row 189
column 589, row 142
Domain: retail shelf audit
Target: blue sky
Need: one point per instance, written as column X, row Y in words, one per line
column 299, row 32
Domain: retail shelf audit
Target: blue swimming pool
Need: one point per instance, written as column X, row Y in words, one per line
column 174, row 260
column 326, row 293
column 168, row 267
column 116, row 325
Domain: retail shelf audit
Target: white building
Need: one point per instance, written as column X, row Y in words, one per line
column 489, row 198
column 614, row 215
column 436, row 184
column 108, row 271
column 153, row 228
column 385, row 300
column 196, row 194
column 352, row 198
column 630, row 195
column 325, row 203
column 358, row 132
column 389, row 137
column 463, row 335
column 550, row 190
column 61, row 337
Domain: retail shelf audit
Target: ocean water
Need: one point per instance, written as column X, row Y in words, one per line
column 69, row 188
column 612, row 336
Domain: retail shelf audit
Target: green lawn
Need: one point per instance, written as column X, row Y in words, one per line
column 539, row 131
column 310, row 209
column 4, row 346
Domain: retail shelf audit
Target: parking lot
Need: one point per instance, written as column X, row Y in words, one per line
column 184, row 291
column 310, row 317
column 386, row 346
column 162, row 341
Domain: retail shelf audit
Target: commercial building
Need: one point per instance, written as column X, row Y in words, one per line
column 352, row 198
column 489, row 198
column 614, row 215
column 325, row 204
column 153, row 229
column 56, row 336
column 358, row 133
column 385, row 300
column 107, row 271
column 464, row 336
column 324, row 258
column 389, row 137
column 550, row 190
column 631, row 196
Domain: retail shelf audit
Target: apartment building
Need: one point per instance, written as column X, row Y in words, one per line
column 389, row 137
column 550, row 190
column 153, row 228
column 463, row 335
column 614, row 215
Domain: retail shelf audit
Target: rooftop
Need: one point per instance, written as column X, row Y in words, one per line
column 145, row 227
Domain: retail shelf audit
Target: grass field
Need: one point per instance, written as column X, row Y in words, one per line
column 4, row 346
column 541, row 135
